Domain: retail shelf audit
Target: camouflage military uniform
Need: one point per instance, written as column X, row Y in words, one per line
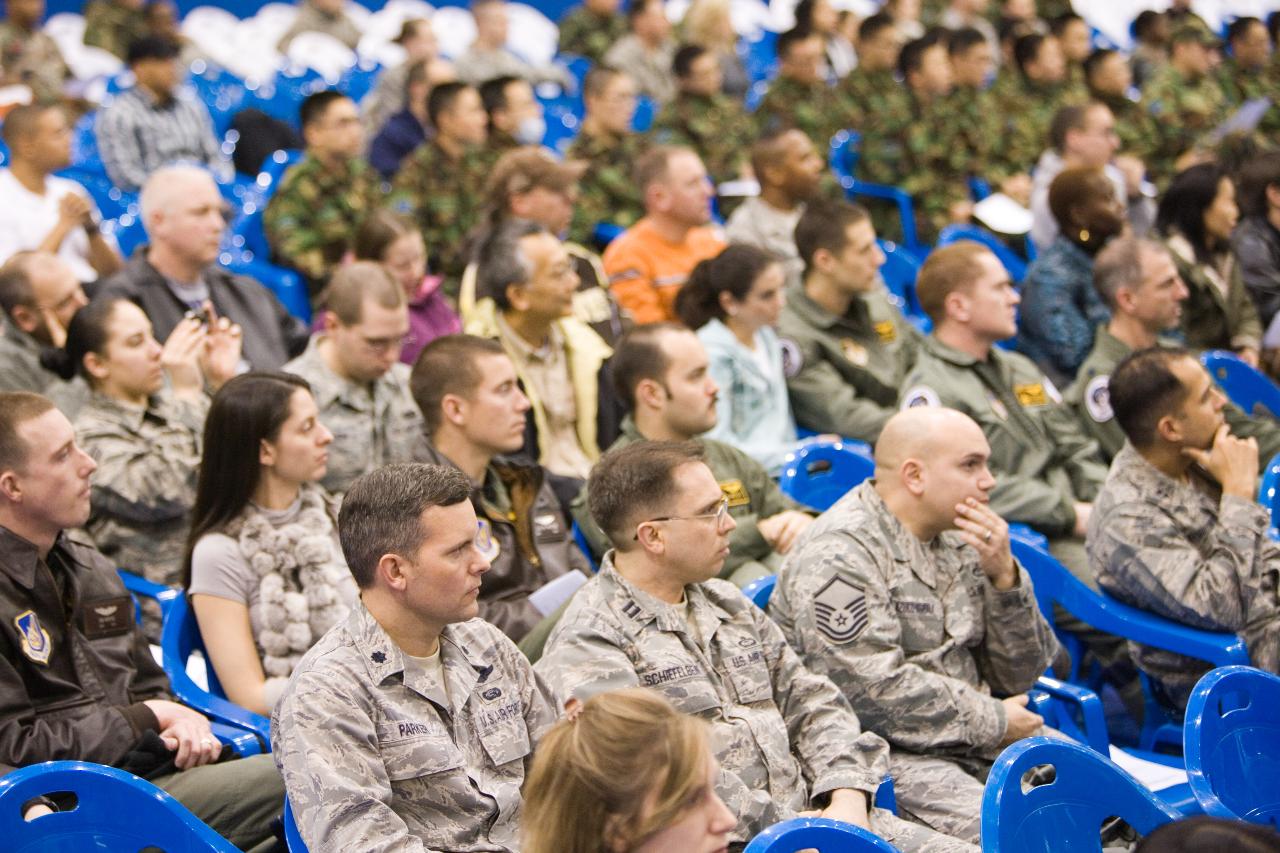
column 1186, row 552
column 1088, row 397
column 311, row 221
column 606, row 190
column 870, row 96
column 1245, row 84
column 1135, row 126
column 113, row 27
column 145, row 484
column 377, row 754
column 716, row 127
column 445, row 197
column 1219, row 312
column 783, row 735
column 1183, row 111
column 814, row 109
column 20, row 370
column 587, row 34
column 373, row 424
column 917, row 639
column 752, row 495
column 1028, row 109
column 33, row 58
column 977, row 128
column 843, row 372
column 934, row 166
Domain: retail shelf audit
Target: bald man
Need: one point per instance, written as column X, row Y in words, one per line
column 906, row 595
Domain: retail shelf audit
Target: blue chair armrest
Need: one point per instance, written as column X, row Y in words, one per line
column 217, row 708
column 886, row 797
column 138, row 585
column 1028, row 535
column 1090, row 707
column 906, row 211
column 245, row 743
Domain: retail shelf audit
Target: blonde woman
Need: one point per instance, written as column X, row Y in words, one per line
column 708, row 24
column 624, row 773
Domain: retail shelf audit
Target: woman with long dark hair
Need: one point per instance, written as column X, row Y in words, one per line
column 1196, row 218
column 265, row 571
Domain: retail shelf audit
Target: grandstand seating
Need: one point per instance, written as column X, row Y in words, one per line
column 1066, row 814
column 293, row 838
column 1245, row 386
column 1232, row 744
column 803, row 833
column 819, row 473
column 1269, row 493
column 1015, row 265
column 140, row 586
column 114, row 810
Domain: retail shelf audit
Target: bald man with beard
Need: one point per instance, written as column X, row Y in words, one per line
column 906, row 595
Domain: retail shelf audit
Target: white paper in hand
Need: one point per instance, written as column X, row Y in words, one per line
column 548, row 597
column 1003, row 215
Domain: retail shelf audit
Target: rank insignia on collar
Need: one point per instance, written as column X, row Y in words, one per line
column 36, row 644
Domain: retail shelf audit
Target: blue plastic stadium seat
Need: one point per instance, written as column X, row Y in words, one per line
column 819, row 473
column 580, row 539
column 646, row 112
column 843, row 159
column 1066, row 814
column 1232, row 744
column 114, row 810
column 802, row 833
column 1269, row 493
column 759, row 591
column 292, row 838
column 1246, row 386
column 899, row 272
column 179, row 639
column 1016, row 266
column 140, row 586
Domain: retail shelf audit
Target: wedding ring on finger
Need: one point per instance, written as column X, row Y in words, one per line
column 986, row 537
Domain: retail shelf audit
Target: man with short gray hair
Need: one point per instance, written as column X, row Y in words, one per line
column 360, row 386
column 412, row 724
column 39, row 294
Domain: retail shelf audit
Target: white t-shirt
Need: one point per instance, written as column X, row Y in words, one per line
column 26, row 219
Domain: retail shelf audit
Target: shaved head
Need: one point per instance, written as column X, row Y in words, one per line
column 919, row 433
column 170, row 185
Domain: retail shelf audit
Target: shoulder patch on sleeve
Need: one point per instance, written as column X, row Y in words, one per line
column 1097, row 399
column 792, row 358
column 920, row 395
column 840, row 611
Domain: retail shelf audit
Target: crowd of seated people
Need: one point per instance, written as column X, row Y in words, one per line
column 474, row 532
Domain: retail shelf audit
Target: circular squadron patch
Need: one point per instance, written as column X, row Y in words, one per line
column 921, row 395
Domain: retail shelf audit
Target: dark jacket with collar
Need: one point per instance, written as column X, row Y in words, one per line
column 74, row 674
column 272, row 335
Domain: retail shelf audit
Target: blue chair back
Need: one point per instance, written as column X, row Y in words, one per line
column 802, row 833
column 1015, row 265
column 179, row 639
column 139, row 586
column 760, row 591
column 292, row 838
column 114, row 810
column 646, row 112
column 819, row 473
column 1066, row 814
column 1269, row 492
column 1246, row 386
column 580, row 539
column 1232, row 744
column 899, row 272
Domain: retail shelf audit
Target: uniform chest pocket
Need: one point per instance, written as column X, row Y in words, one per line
column 920, row 617
column 683, row 682
column 507, row 743
column 422, row 755
column 748, row 674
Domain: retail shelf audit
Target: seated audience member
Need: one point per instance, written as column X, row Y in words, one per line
column 1110, row 81
column 820, row 17
column 1033, row 96
column 845, row 346
column 1255, row 241
column 609, row 150
column 475, row 416
column 649, row 262
column 311, row 219
column 526, row 283
column 958, row 14
column 321, row 16
column 1204, row 834
column 178, row 272
column 411, row 651
column 161, row 18
column 1185, row 100
column 709, row 24
column 41, row 211
column 660, row 372
column 1138, row 282
column 439, row 185
column 789, row 169
column 530, row 183
column 1150, row 45
column 702, row 117
column 591, row 29
column 646, row 51
column 263, row 567
column 79, row 681
column 392, row 241
column 625, row 771
column 142, row 425
column 906, row 20
column 1197, row 216
column 488, row 56
column 391, row 93
column 39, row 294
column 1072, row 33
column 870, row 88
column 155, row 123
column 1083, row 136
column 359, row 385
column 799, row 96
column 732, row 301
column 29, row 56
column 1060, row 307
column 515, row 115
column 114, row 25
column 785, row 737
column 866, row 592
column 1178, row 530
column 402, row 132
column 1245, row 73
